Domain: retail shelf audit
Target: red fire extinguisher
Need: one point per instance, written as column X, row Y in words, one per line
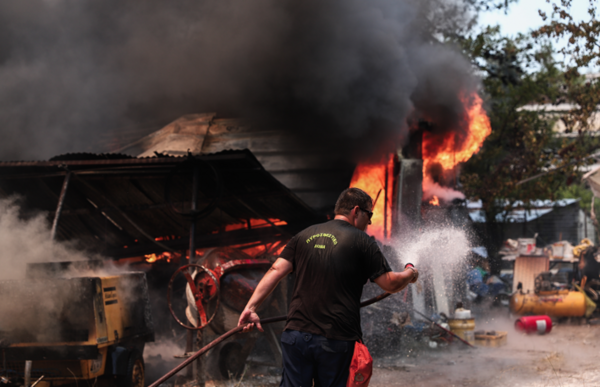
column 534, row 324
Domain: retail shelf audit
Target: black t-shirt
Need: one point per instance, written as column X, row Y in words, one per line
column 332, row 261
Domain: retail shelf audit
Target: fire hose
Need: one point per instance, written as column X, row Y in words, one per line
column 270, row 320
column 235, row 330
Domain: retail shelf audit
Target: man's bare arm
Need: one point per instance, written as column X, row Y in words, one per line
column 267, row 284
column 393, row 282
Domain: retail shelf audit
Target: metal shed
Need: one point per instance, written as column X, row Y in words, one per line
column 123, row 206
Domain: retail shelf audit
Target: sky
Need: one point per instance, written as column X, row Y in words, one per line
column 524, row 17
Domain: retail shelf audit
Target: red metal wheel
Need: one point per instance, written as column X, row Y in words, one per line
column 202, row 290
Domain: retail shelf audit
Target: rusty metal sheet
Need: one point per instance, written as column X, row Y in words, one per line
column 115, row 202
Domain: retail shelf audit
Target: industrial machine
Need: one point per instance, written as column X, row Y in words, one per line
column 557, row 303
column 70, row 322
column 547, row 300
column 214, row 293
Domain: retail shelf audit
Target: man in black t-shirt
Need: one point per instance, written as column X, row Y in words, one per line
column 332, row 262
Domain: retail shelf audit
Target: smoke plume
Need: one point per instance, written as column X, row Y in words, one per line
column 77, row 75
column 26, row 241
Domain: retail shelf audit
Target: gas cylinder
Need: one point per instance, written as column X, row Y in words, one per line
column 560, row 303
column 534, row 324
column 463, row 325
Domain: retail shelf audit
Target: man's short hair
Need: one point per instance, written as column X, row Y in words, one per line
column 350, row 198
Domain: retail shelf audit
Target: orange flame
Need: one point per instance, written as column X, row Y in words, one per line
column 452, row 148
column 376, row 179
column 166, row 256
column 255, row 223
column 446, row 151
column 435, row 201
column 151, row 258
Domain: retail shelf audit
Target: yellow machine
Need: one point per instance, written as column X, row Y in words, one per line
column 75, row 329
column 558, row 303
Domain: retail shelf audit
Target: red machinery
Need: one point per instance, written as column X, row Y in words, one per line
column 217, row 289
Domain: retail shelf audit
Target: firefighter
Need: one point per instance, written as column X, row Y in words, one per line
column 332, row 261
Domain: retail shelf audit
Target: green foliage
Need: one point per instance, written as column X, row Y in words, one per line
column 582, row 52
column 583, row 49
column 580, row 191
column 516, row 75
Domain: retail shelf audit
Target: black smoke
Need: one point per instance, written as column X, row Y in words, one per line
column 74, row 73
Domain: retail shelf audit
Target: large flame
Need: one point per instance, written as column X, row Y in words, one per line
column 376, row 179
column 254, row 223
column 273, row 248
column 165, row 257
column 451, row 148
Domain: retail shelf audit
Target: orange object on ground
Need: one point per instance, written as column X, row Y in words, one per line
column 361, row 367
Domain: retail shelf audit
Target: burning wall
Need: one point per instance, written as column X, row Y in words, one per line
column 377, row 179
column 442, row 152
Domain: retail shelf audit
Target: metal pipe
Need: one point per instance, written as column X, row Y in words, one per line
column 198, row 368
column 37, row 381
column 28, row 364
column 385, row 203
column 59, row 207
column 194, row 209
column 444, row 329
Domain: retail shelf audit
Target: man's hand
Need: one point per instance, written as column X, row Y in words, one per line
column 393, row 282
column 278, row 270
column 415, row 273
column 249, row 318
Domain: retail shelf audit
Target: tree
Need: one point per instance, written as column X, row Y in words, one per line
column 524, row 159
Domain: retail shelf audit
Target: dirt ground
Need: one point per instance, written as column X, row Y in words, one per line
column 567, row 356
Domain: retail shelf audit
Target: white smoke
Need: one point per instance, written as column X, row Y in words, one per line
column 446, row 194
column 24, row 241
column 442, row 245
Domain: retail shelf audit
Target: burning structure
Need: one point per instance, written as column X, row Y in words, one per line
column 147, row 212
column 192, row 195
column 180, row 192
column 335, row 94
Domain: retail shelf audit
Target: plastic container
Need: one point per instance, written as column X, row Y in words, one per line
column 534, row 324
column 464, row 328
column 462, row 314
column 526, row 246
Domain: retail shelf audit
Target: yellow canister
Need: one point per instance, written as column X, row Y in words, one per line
column 464, row 328
column 560, row 303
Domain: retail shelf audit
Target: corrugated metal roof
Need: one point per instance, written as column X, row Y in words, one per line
column 315, row 174
column 519, row 214
column 116, row 204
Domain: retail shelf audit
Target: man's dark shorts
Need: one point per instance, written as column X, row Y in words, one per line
column 307, row 356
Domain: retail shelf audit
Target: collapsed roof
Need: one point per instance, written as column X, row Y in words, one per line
column 123, row 206
column 312, row 170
